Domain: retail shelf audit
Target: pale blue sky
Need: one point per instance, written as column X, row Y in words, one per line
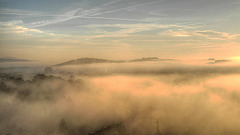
column 123, row 28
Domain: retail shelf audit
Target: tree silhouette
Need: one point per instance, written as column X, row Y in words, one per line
column 63, row 128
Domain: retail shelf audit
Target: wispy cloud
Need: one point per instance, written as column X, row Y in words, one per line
column 13, row 27
column 17, row 12
column 67, row 18
column 125, row 30
column 76, row 13
column 210, row 34
column 126, row 8
column 94, row 13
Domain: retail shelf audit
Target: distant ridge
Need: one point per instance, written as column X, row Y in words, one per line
column 145, row 59
column 12, row 59
column 87, row 60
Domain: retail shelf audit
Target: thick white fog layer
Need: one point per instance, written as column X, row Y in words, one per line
column 122, row 100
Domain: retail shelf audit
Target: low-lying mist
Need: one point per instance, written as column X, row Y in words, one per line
column 122, row 100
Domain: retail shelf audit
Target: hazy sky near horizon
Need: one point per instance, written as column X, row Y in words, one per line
column 59, row 30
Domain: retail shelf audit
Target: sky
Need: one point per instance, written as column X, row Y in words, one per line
column 52, row 31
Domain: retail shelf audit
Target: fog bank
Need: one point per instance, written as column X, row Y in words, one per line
column 192, row 101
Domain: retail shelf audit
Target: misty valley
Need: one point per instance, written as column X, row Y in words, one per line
column 119, row 67
column 120, row 98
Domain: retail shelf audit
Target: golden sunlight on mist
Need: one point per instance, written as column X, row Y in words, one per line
column 144, row 86
column 193, row 100
column 237, row 59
